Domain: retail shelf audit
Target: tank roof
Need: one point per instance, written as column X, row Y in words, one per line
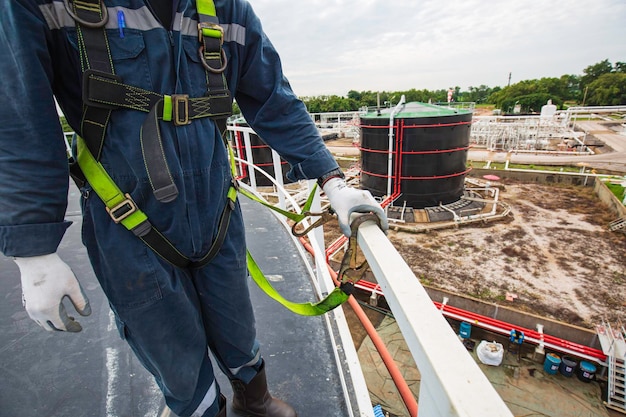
column 416, row 109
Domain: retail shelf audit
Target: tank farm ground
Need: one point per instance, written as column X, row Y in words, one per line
column 553, row 252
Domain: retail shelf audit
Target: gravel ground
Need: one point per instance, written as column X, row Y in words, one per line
column 553, row 253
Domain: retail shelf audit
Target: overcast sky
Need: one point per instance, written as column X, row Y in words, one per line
column 334, row 46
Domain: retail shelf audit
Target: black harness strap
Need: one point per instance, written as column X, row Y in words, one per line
column 91, row 17
column 161, row 180
column 163, row 247
column 214, row 60
column 108, row 91
column 103, row 92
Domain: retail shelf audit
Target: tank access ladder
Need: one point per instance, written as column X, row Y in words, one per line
column 618, row 225
column 614, row 348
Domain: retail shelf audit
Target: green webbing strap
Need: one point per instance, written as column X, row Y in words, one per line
column 206, row 8
column 110, row 194
column 330, row 302
column 296, row 217
column 333, row 300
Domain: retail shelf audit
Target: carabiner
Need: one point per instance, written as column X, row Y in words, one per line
column 349, row 272
column 324, row 217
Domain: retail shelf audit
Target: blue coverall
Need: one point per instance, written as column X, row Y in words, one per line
column 167, row 315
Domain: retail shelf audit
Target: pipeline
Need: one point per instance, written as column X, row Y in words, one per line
column 501, row 327
column 407, row 396
column 392, row 115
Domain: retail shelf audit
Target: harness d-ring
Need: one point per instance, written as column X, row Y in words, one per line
column 92, row 25
column 210, row 68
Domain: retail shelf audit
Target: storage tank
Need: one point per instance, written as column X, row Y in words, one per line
column 429, row 145
column 261, row 156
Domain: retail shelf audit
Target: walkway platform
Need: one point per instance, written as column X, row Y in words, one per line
column 94, row 373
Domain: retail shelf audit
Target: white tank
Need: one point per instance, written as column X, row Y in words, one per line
column 548, row 110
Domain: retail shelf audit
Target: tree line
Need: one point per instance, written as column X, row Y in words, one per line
column 602, row 84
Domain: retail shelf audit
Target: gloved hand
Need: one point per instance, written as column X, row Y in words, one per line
column 46, row 280
column 346, row 200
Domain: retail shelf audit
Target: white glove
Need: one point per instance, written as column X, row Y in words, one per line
column 46, row 280
column 346, row 200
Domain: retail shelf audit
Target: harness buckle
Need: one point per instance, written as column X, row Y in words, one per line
column 123, row 209
column 180, row 102
column 104, row 15
column 211, row 29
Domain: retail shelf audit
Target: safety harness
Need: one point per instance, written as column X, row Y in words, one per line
column 104, row 92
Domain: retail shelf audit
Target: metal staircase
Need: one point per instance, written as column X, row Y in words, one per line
column 618, row 225
column 614, row 348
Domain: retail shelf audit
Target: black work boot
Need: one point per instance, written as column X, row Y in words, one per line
column 254, row 400
column 222, row 412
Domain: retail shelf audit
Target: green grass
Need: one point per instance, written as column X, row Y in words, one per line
column 616, row 189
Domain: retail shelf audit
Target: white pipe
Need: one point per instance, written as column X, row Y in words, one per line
column 395, row 111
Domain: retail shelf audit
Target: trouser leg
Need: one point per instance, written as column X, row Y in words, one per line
column 158, row 313
column 169, row 340
column 229, row 322
column 227, row 314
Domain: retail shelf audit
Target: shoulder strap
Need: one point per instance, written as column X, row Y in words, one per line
column 91, row 17
column 212, row 56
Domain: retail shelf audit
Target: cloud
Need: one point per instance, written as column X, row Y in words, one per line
column 333, row 46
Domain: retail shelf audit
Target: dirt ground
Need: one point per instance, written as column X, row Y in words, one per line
column 553, row 254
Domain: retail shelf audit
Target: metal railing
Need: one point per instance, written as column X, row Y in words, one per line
column 452, row 384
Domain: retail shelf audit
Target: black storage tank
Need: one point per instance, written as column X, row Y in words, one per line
column 261, row 156
column 429, row 154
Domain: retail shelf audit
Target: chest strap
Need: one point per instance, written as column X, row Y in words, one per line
column 104, row 91
column 107, row 91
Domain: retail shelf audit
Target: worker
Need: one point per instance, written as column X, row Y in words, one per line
column 170, row 163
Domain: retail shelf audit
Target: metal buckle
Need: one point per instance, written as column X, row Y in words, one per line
column 104, row 13
column 127, row 206
column 210, row 68
column 213, row 26
column 180, row 101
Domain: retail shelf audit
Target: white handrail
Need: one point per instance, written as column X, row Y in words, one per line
column 452, row 384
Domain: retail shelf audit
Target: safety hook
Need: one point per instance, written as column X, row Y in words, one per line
column 349, row 272
column 324, row 217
